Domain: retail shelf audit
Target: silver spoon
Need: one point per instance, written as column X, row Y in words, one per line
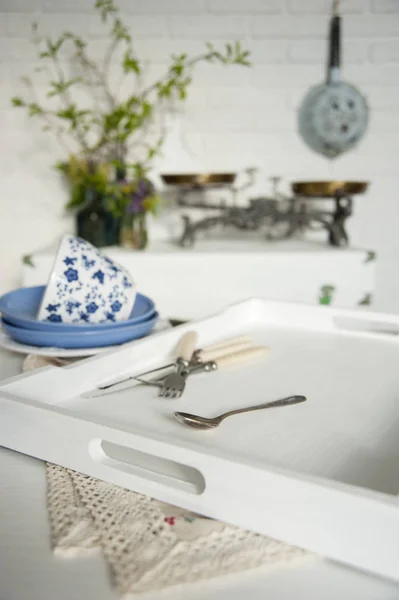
column 197, row 422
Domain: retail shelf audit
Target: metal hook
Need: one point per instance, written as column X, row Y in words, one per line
column 335, row 9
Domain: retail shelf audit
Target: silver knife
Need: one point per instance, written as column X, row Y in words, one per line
column 204, row 355
column 126, row 384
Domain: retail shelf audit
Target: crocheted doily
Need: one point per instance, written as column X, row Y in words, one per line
column 147, row 544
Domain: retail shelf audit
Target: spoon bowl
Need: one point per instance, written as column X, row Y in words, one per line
column 195, row 422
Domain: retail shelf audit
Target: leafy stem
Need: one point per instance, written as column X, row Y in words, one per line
column 114, row 128
column 62, row 87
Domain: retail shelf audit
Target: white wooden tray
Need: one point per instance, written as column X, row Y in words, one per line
column 322, row 475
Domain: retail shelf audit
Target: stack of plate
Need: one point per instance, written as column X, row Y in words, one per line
column 19, row 310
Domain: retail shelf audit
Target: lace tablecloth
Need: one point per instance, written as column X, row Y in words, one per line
column 147, row 544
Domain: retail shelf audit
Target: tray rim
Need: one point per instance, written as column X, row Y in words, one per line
column 142, row 349
column 20, row 411
column 310, row 492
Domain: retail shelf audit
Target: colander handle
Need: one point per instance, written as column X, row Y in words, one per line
column 334, row 58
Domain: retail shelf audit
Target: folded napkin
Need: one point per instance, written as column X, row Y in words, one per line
column 147, row 544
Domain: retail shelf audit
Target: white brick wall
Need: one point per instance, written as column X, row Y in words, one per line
column 384, row 52
column 235, row 117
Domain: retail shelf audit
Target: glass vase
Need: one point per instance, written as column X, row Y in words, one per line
column 134, row 234
column 95, row 223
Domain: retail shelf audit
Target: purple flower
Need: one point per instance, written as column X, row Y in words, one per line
column 143, row 190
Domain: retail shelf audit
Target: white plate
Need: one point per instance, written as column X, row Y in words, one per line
column 9, row 344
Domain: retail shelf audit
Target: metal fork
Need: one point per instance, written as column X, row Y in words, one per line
column 199, row 357
column 174, row 384
column 176, row 388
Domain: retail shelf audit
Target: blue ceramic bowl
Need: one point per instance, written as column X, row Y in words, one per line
column 86, row 286
column 80, row 339
column 19, row 308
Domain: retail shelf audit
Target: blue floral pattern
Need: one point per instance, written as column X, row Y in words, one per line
column 71, row 305
column 84, row 292
column 69, row 261
column 116, row 306
column 92, row 307
column 87, row 263
column 126, row 283
column 54, row 318
column 99, row 275
column 71, row 274
column 52, row 307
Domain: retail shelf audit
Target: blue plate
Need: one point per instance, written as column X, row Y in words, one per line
column 20, row 307
column 80, row 339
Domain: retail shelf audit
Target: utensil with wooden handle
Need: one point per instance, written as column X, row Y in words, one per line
column 214, row 351
column 200, row 361
column 199, row 356
column 238, row 357
column 230, row 359
column 219, row 349
column 174, row 384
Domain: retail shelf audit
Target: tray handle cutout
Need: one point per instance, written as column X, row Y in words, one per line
column 366, row 326
column 147, row 466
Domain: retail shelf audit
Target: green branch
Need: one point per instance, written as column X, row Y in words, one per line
column 113, row 130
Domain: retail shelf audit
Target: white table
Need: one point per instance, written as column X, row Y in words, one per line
column 29, row 571
column 189, row 283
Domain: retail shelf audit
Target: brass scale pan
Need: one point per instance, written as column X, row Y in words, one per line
column 320, row 189
column 328, row 189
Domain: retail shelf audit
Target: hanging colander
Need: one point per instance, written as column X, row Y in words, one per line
column 333, row 116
